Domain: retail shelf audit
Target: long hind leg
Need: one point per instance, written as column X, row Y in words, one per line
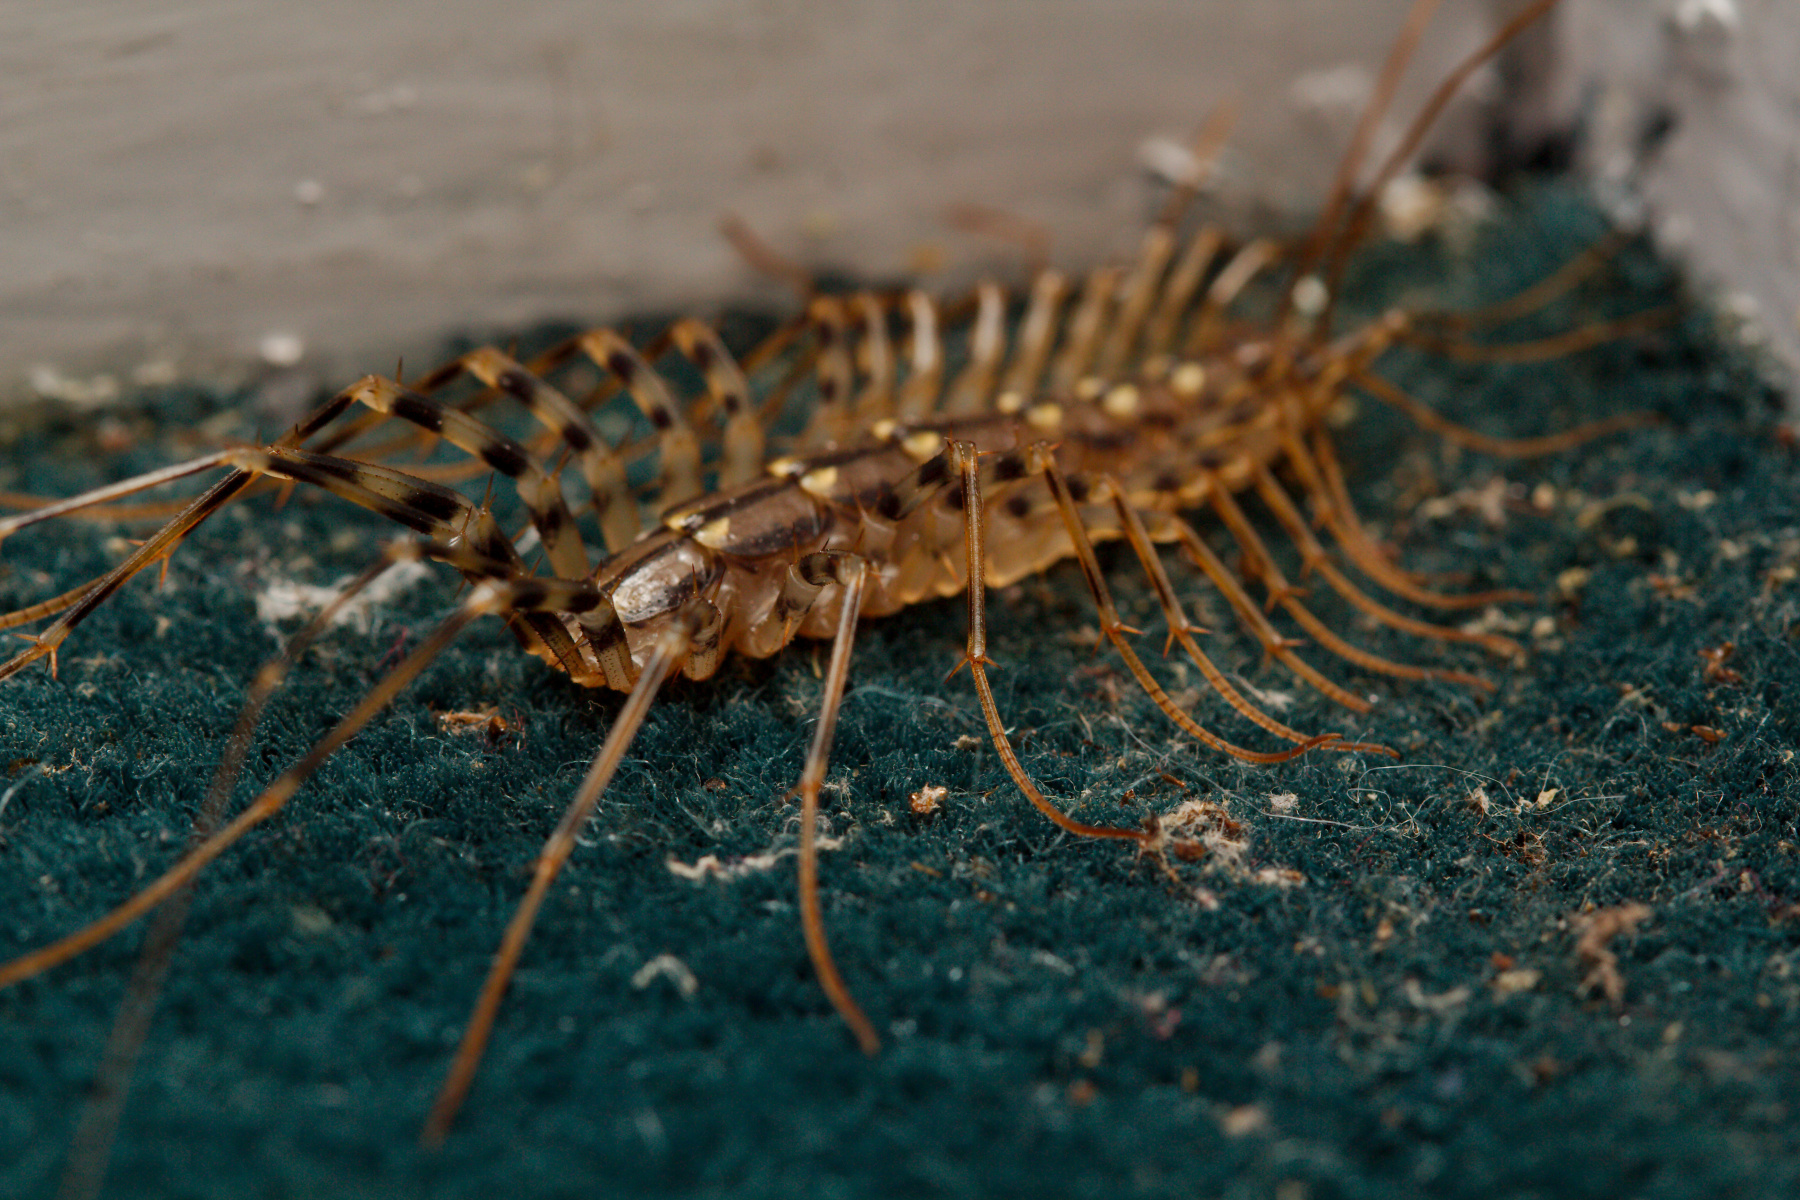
column 91, row 1147
column 489, row 598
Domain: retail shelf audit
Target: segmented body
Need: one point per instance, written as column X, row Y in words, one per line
column 1105, row 422
column 894, row 501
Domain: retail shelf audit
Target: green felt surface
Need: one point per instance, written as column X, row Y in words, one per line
column 1061, row 1017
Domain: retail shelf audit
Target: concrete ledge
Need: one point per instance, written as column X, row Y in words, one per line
column 189, row 192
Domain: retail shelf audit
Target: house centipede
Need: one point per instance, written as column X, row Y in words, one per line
column 947, row 465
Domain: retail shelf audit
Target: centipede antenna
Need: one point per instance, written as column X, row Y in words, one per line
column 90, row 1150
column 1344, row 180
column 765, row 259
column 1357, row 223
column 664, row 660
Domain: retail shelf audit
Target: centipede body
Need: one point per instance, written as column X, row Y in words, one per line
column 384, row 834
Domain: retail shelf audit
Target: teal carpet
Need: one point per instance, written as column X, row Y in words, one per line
column 1373, row 987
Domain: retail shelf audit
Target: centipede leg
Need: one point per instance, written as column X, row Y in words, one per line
column 1274, row 645
column 1286, row 595
column 1582, row 337
column 1313, row 558
column 851, row 573
column 157, row 547
column 666, row 656
column 91, row 1148
column 1182, row 630
column 1324, row 482
column 975, row 657
column 1114, row 628
column 1564, row 279
column 1471, row 439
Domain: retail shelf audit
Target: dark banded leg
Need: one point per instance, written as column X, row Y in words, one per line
column 472, row 543
column 91, row 1147
column 599, row 462
column 729, row 389
column 677, row 446
column 830, row 423
column 666, row 656
column 541, row 494
column 422, row 506
column 489, row 598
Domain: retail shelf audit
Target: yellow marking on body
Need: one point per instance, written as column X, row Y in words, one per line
column 1189, row 380
column 884, row 429
column 1120, row 401
column 784, row 468
column 819, row 482
column 1045, row 417
column 1310, row 296
column 714, row 534
column 1010, row 402
column 1089, row 387
column 923, row 445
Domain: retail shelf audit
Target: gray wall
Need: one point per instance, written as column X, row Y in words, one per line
column 191, row 187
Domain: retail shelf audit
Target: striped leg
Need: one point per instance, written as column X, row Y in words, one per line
column 490, row 598
column 91, row 1147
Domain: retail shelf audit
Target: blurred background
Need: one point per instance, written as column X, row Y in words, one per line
column 213, row 189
